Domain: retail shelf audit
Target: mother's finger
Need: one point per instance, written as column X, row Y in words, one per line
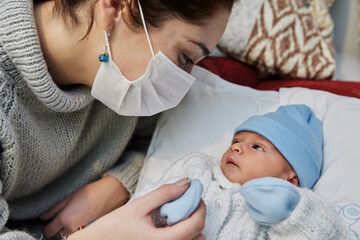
column 54, row 210
column 188, row 228
column 52, row 228
column 161, row 195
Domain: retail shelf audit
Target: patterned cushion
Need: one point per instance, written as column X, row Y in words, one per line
column 329, row 3
column 290, row 38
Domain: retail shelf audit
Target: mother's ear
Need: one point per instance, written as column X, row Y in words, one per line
column 110, row 12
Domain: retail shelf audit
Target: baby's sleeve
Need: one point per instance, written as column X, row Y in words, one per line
column 192, row 166
column 311, row 219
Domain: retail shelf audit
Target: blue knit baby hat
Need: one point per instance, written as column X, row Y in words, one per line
column 297, row 133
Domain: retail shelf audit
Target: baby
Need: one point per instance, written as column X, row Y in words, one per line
column 260, row 188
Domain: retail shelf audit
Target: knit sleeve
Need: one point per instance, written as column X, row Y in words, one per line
column 6, row 234
column 132, row 160
column 16, row 235
column 194, row 165
column 128, row 170
column 311, row 219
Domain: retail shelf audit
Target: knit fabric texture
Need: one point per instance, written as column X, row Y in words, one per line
column 53, row 141
column 226, row 215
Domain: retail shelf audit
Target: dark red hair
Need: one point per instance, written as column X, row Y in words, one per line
column 156, row 11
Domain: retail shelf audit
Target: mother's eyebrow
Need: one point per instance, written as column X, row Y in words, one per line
column 203, row 47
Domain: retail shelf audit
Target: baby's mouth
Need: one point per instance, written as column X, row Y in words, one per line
column 229, row 160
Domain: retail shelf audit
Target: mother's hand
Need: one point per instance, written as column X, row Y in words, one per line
column 90, row 202
column 133, row 221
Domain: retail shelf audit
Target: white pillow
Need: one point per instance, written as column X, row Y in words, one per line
column 339, row 181
column 205, row 119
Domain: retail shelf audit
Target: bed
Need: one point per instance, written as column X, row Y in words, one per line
column 205, row 118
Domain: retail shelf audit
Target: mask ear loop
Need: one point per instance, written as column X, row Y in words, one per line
column 145, row 28
column 103, row 57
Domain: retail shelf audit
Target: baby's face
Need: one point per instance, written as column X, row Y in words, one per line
column 252, row 156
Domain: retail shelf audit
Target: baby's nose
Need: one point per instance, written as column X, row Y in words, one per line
column 236, row 148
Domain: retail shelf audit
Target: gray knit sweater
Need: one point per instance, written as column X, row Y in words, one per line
column 53, row 141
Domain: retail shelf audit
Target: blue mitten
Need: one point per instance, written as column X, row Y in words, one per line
column 182, row 207
column 269, row 200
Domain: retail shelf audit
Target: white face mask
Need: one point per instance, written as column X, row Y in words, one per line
column 162, row 86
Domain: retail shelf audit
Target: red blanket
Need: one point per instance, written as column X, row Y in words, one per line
column 239, row 73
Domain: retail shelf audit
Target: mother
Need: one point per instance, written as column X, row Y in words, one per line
column 63, row 153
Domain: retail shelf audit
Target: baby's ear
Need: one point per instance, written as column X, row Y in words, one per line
column 293, row 178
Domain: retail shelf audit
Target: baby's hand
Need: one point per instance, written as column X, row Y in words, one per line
column 181, row 208
column 269, row 200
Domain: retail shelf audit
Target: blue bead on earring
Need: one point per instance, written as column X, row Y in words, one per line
column 103, row 57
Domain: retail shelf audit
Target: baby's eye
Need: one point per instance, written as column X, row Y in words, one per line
column 235, row 141
column 258, row 147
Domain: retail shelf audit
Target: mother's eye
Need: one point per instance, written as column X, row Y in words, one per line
column 187, row 60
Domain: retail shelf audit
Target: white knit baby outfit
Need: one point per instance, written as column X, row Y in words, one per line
column 227, row 218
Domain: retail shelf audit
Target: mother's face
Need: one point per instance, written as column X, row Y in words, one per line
column 186, row 44
column 182, row 42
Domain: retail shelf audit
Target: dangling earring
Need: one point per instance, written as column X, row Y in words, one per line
column 103, row 57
